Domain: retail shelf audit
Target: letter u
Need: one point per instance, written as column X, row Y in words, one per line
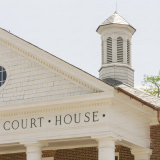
column 26, row 124
column 75, row 119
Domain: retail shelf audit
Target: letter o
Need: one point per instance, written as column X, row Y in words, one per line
column 13, row 124
column 65, row 119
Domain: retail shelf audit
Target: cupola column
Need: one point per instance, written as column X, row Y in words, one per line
column 124, row 50
column 105, row 50
column 130, row 50
column 114, row 49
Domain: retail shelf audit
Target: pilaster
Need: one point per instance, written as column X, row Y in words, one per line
column 142, row 154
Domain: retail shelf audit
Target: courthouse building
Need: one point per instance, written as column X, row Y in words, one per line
column 52, row 110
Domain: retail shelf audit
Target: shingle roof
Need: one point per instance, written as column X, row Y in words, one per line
column 145, row 98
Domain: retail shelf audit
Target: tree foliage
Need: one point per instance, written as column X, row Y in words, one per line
column 151, row 84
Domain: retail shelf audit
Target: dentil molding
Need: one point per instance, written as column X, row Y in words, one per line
column 74, row 107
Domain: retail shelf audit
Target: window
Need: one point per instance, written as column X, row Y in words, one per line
column 119, row 49
column 109, row 50
column 128, row 52
column 117, row 156
column 3, row 76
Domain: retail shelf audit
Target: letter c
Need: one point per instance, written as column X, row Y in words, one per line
column 5, row 127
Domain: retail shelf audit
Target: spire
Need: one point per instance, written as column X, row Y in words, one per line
column 115, row 19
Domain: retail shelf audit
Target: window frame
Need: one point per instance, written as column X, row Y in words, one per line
column 117, row 154
column 2, row 71
column 4, row 65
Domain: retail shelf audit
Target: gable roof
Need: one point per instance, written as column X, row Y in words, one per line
column 143, row 97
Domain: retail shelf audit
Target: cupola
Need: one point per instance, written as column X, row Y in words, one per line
column 116, row 34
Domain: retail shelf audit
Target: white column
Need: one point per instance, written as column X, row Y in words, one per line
column 114, row 49
column 106, row 146
column 130, row 53
column 125, row 50
column 105, row 51
column 141, row 153
column 33, row 150
column 106, row 149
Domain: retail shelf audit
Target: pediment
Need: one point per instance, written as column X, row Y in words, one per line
column 37, row 75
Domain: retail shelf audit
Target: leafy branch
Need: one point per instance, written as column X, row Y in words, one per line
column 151, row 84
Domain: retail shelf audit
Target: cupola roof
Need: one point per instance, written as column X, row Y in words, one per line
column 115, row 19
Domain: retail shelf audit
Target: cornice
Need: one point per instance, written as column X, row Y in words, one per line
column 53, row 109
column 116, row 65
column 75, row 106
column 132, row 112
column 49, row 66
column 118, row 27
column 140, row 107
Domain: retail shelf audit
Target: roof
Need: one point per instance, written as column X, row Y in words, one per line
column 115, row 19
column 139, row 95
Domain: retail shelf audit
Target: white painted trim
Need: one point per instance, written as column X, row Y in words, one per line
column 116, row 64
column 48, row 158
column 117, row 154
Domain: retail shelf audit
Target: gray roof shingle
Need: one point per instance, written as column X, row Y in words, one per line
column 138, row 94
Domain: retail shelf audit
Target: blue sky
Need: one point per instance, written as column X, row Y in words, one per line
column 67, row 29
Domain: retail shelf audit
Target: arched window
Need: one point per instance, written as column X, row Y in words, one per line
column 128, row 51
column 109, row 50
column 3, row 75
column 119, row 49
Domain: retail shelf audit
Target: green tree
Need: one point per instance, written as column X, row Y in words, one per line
column 151, row 84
